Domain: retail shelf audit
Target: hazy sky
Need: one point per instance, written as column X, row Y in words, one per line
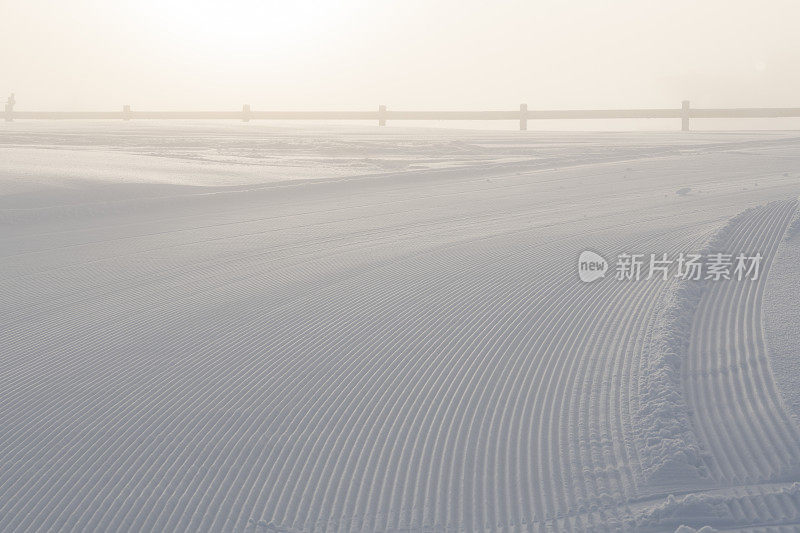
column 355, row 54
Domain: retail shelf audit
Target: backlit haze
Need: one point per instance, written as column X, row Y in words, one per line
column 356, row 54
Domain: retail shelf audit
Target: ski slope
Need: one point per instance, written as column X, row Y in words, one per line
column 255, row 328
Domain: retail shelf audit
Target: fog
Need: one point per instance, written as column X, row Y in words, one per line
column 246, row 287
column 355, row 54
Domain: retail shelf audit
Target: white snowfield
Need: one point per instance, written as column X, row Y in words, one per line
column 259, row 328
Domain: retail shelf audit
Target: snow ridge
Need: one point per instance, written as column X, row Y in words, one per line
column 724, row 509
column 671, row 453
column 670, row 450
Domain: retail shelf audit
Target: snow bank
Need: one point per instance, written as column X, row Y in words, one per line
column 703, row 512
column 688, row 529
column 670, row 452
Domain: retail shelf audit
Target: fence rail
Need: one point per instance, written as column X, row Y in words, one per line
column 382, row 115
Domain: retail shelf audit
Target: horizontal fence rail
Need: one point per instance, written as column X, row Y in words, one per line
column 382, row 115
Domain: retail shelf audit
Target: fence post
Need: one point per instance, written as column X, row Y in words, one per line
column 381, row 115
column 9, row 115
column 685, row 115
column 126, row 112
column 523, row 117
column 246, row 113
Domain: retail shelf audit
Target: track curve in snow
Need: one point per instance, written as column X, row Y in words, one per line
column 403, row 352
column 738, row 412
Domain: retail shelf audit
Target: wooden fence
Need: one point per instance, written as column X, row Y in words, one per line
column 382, row 115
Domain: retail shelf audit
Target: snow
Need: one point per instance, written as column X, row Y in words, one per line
column 782, row 317
column 244, row 327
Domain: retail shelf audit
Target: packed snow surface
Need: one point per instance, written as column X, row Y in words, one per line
column 246, row 327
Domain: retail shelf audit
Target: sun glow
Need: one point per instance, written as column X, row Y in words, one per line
column 247, row 27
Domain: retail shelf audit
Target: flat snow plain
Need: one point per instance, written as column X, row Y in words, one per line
column 245, row 327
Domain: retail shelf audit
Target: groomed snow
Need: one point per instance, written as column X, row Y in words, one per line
column 256, row 328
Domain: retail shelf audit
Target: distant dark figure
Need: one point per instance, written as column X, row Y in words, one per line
column 10, row 107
